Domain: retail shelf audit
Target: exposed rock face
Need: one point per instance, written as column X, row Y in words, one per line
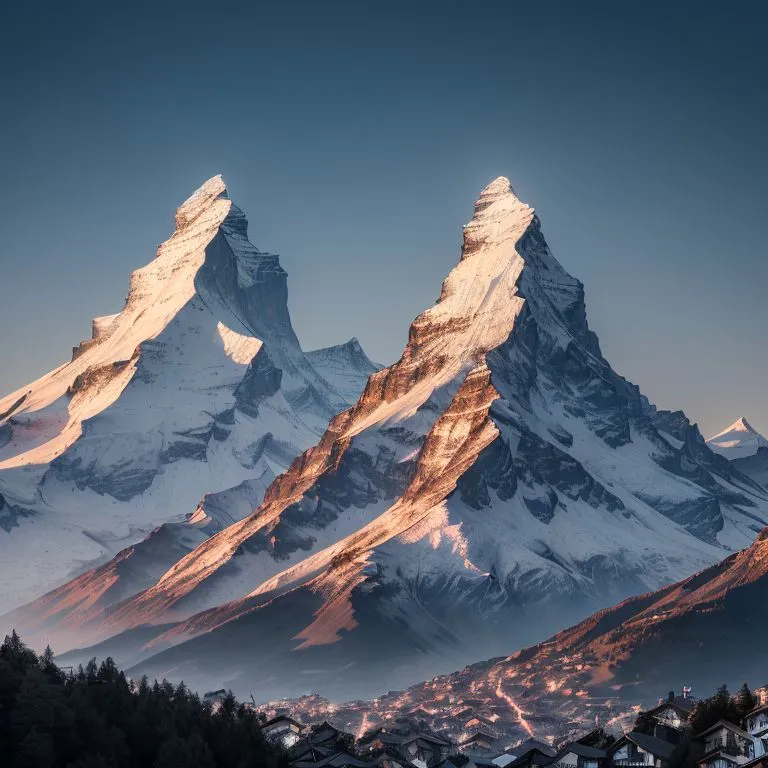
column 198, row 385
column 694, row 632
column 496, row 482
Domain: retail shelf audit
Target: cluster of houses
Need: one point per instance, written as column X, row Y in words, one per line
column 724, row 745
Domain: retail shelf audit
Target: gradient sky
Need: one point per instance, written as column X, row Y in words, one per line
column 356, row 137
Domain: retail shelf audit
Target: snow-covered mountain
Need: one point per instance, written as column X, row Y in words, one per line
column 346, row 366
column 704, row 631
column 197, row 386
column 743, row 445
column 497, row 482
column 738, row 440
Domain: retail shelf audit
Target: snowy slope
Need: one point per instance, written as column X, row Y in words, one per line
column 606, row 668
column 495, row 483
column 345, row 366
column 737, row 441
column 197, row 385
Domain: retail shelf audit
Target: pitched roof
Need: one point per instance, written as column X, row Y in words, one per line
column 759, row 708
column 724, row 724
column 532, row 757
column 684, row 706
column 530, row 744
column 583, row 750
column 479, row 734
column 280, row 718
column 651, row 744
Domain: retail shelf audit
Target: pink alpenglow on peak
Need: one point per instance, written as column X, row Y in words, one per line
column 496, row 482
column 197, row 386
column 737, row 441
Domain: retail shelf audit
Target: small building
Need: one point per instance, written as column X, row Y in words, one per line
column 479, row 742
column 417, row 746
column 725, row 746
column 671, row 715
column 575, row 755
column 756, row 725
column 282, row 729
column 637, row 750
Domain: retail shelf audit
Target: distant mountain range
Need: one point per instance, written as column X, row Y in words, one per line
column 497, row 482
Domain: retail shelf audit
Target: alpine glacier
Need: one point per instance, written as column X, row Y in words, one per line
column 198, row 387
column 498, row 481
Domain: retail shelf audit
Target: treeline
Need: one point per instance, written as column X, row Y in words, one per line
column 95, row 718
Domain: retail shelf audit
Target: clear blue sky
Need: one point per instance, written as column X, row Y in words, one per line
column 356, row 136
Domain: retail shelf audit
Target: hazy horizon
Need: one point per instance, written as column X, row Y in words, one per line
column 356, row 141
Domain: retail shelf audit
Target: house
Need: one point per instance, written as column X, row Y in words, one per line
column 756, row 725
column 479, row 742
column 634, row 750
column 671, row 715
column 424, row 747
column 575, row 755
column 533, row 758
column 725, row 746
column 321, row 741
column 282, row 729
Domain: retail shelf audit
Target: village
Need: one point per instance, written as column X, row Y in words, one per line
column 679, row 732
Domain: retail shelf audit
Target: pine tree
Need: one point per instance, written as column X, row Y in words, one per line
column 744, row 700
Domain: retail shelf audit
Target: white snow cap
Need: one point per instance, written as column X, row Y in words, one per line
column 738, row 440
column 498, row 187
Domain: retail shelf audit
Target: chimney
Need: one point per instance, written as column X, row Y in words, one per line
column 671, row 696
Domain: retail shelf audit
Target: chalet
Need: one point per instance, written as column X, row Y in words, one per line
column 479, row 742
column 526, row 746
column 671, row 715
column 282, row 729
column 637, row 750
column 726, row 746
column 321, row 741
column 540, row 754
column 533, row 758
column 756, row 725
column 575, row 755
column 423, row 747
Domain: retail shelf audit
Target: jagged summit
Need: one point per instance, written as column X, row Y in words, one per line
column 200, row 373
column 738, row 440
column 346, row 366
column 494, row 482
column 498, row 187
column 200, row 200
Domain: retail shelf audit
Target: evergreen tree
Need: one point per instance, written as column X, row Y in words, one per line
column 744, row 700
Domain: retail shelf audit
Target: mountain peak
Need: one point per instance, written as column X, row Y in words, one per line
column 498, row 187
column 500, row 216
column 200, row 200
column 737, row 440
column 743, row 425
